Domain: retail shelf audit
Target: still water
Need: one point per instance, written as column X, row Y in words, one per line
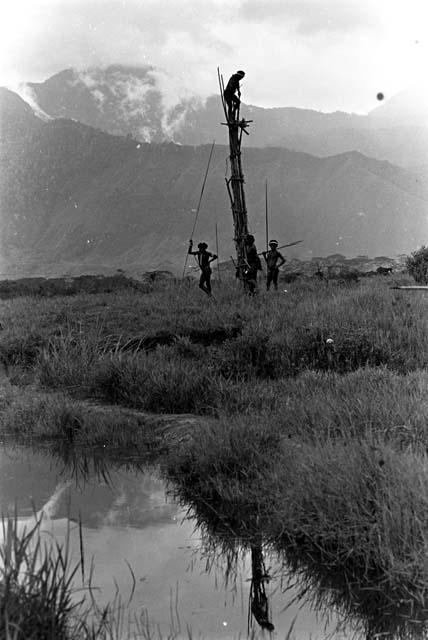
column 127, row 516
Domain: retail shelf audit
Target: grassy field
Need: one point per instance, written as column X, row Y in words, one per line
column 314, row 408
column 175, row 351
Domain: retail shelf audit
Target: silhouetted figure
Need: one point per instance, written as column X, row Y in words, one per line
column 204, row 258
column 274, row 260
column 258, row 598
column 252, row 265
column 233, row 101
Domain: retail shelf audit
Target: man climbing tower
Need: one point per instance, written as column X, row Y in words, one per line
column 233, row 101
column 272, row 257
column 204, row 258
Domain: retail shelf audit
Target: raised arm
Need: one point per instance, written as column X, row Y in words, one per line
column 189, row 251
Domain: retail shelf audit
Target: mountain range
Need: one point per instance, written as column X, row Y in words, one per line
column 140, row 102
column 77, row 198
column 72, row 194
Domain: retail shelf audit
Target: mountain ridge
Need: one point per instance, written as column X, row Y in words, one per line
column 72, row 194
column 144, row 104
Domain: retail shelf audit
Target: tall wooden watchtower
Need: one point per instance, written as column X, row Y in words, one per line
column 235, row 181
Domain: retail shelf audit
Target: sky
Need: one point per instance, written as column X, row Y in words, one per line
column 327, row 55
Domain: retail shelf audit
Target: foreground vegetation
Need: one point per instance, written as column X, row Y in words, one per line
column 40, row 598
column 314, row 434
column 173, row 351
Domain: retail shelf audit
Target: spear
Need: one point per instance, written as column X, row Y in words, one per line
column 216, row 244
column 290, row 244
column 199, row 203
column 267, row 219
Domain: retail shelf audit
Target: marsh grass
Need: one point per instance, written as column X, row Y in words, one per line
column 163, row 352
column 56, row 418
column 267, row 338
column 26, row 612
column 347, row 515
column 40, row 600
column 36, row 588
column 40, row 596
column 320, row 447
column 156, row 382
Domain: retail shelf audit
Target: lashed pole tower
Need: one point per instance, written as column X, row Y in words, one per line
column 235, row 182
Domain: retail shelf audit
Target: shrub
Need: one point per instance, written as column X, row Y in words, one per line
column 417, row 265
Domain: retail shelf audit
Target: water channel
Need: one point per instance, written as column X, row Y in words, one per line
column 127, row 516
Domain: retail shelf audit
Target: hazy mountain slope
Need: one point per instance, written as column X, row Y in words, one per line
column 17, row 118
column 138, row 102
column 405, row 146
column 119, row 100
column 72, row 194
column 124, row 100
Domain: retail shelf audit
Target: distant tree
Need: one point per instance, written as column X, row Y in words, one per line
column 417, row 265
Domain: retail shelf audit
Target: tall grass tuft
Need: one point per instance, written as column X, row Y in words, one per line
column 35, row 586
column 156, row 382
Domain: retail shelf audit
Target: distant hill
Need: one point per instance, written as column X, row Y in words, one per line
column 73, row 196
column 133, row 101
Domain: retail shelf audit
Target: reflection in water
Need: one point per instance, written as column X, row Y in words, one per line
column 126, row 518
column 363, row 600
column 259, row 604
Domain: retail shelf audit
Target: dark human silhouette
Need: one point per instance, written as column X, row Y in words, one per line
column 252, row 265
column 259, row 602
column 204, row 259
column 232, row 100
column 274, row 260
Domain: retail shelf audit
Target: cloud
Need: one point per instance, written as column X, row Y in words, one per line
column 326, row 54
column 75, row 33
column 134, row 91
column 175, row 36
column 310, row 17
column 27, row 94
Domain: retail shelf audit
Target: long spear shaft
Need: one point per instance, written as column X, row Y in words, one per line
column 267, row 218
column 199, row 203
column 216, row 248
column 290, row 244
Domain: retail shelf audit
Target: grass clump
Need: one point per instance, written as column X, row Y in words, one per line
column 39, row 596
column 36, row 587
column 156, row 382
column 81, row 343
column 213, row 472
column 347, row 514
column 28, row 415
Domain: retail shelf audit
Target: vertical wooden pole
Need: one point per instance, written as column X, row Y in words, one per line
column 235, row 183
column 216, row 248
column 267, row 218
column 239, row 210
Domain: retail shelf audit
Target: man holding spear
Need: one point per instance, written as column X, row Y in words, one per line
column 274, row 260
column 204, row 259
